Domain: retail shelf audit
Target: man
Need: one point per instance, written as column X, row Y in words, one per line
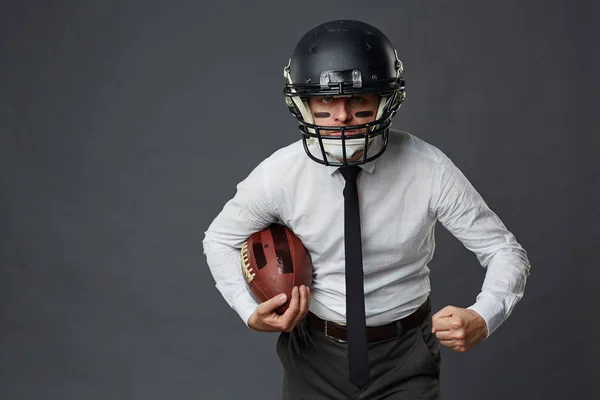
column 364, row 200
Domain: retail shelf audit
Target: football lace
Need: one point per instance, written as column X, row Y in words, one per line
column 246, row 268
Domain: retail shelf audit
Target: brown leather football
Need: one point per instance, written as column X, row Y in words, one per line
column 274, row 260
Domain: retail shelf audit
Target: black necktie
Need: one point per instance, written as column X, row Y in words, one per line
column 355, row 305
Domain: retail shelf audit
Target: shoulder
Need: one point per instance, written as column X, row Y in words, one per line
column 403, row 142
column 283, row 164
column 291, row 154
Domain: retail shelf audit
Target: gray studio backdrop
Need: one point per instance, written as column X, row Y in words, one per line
column 125, row 126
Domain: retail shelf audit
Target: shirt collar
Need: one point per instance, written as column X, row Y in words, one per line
column 368, row 167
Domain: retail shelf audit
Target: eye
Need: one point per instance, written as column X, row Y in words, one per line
column 358, row 99
column 327, row 99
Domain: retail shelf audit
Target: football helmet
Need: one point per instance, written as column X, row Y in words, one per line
column 344, row 58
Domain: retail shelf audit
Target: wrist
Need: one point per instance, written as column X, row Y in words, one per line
column 480, row 323
column 252, row 321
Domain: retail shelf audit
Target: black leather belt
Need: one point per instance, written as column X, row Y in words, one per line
column 374, row 333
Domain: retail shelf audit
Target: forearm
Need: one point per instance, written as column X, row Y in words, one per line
column 224, row 264
column 503, row 287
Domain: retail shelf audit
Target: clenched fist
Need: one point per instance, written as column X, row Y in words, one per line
column 459, row 328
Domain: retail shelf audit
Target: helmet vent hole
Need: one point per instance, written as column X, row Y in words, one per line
column 308, row 80
column 313, row 49
column 374, row 77
column 367, row 46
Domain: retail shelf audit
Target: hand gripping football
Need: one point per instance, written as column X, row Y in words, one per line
column 274, row 260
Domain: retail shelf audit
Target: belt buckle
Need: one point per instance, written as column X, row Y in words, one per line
column 331, row 337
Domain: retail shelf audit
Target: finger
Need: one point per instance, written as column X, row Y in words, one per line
column 304, row 301
column 303, row 307
column 293, row 309
column 445, row 335
column 451, row 343
column 269, row 306
column 308, row 297
column 455, row 345
column 443, row 324
column 444, row 312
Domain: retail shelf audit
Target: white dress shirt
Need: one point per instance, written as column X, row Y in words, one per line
column 401, row 194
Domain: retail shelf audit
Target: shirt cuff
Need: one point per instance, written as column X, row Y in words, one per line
column 490, row 310
column 244, row 304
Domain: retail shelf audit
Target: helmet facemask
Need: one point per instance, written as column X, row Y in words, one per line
column 340, row 146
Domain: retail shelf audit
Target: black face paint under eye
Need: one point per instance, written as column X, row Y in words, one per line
column 363, row 114
column 322, row 115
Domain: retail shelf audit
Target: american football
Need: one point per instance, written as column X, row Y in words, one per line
column 274, row 260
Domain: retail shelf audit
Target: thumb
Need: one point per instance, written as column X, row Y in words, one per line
column 270, row 305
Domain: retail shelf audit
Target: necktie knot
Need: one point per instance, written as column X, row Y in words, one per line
column 350, row 173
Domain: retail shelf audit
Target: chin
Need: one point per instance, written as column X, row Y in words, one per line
column 355, row 157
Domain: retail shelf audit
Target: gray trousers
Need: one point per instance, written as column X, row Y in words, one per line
column 316, row 367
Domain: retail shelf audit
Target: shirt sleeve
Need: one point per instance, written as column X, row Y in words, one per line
column 250, row 210
column 463, row 212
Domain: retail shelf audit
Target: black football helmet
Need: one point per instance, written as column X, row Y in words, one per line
column 344, row 58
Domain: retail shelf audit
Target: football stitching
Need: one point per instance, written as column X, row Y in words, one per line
column 246, row 267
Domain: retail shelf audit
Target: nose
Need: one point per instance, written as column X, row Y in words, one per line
column 340, row 112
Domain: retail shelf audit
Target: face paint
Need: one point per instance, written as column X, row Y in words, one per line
column 363, row 114
column 322, row 115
